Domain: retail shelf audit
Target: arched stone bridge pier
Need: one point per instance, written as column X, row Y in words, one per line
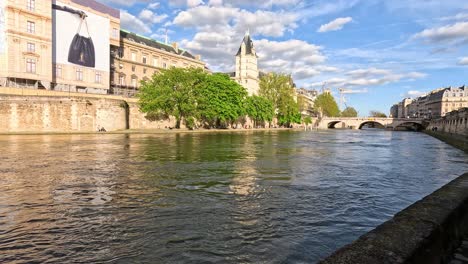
column 359, row 122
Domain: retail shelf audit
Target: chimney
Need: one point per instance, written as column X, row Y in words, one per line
column 198, row 57
column 175, row 45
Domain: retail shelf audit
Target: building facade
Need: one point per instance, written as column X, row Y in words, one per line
column 57, row 44
column 247, row 73
column 306, row 99
column 138, row 58
column 435, row 104
column 83, row 33
column 26, row 43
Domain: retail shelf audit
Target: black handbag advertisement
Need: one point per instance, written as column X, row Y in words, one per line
column 82, row 48
column 81, row 51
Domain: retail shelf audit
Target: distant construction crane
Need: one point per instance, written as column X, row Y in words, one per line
column 344, row 91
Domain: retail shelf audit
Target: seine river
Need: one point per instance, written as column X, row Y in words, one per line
column 249, row 197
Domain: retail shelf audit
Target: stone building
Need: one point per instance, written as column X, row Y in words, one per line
column 394, row 111
column 38, row 39
column 247, row 73
column 435, row 104
column 306, row 99
column 26, row 43
column 138, row 58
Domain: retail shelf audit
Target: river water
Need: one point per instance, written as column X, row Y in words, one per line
column 250, row 197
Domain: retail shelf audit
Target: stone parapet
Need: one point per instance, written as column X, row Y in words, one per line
column 426, row 232
column 455, row 122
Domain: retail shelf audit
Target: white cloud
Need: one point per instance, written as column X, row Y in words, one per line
column 369, row 77
column 413, row 94
column 334, row 25
column 149, row 16
column 463, row 61
column 457, row 31
column 459, row 16
column 153, row 6
column 260, row 22
column 193, row 3
column 132, row 23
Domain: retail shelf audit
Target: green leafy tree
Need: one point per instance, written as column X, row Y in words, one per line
column 279, row 90
column 172, row 93
column 220, row 100
column 327, row 105
column 288, row 110
column 307, row 120
column 349, row 112
column 259, row 109
column 273, row 85
column 375, row 113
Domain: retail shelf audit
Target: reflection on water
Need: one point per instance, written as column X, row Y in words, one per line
column 255, row 197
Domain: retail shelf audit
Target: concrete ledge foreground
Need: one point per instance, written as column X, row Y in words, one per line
column 426, row 232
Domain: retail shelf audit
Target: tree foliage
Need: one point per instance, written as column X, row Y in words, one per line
column 278, row 89
column 349, row 112
column 220, row 101
column 375, row 113
column 307, row 120
column 172, row 93
column 259, row 109
column 326, row 104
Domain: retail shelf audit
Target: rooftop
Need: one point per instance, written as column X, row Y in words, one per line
column 124, row 34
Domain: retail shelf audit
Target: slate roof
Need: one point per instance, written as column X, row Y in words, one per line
column 124, row 34
column 248, row 45
column 98, row 7
column 437, row 96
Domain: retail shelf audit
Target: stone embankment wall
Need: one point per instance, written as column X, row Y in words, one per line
column 50, row 111
column 426, row 232
column 59, row 114
column 453, row 128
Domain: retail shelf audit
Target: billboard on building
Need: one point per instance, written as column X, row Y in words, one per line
column 2, row 27
column 81, row 37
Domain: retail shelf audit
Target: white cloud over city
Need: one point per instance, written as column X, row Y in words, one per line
column 334, row 25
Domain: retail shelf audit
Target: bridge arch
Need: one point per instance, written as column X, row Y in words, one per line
column 371, row 122
column 333, row 124
column 412, row 125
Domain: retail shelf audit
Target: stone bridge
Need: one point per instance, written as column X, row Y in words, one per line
column 359, row 122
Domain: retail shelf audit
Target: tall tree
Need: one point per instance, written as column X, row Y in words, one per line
column 220, row 100
column 172, row 93
column 279, row 90
column 326, row 104
column 349, row 112
column 259, row 109
column 375, row 113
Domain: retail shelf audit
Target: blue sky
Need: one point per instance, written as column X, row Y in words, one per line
column 383, row 50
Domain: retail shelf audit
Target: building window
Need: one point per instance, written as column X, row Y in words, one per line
column 155, row 62
column 31, row 65
column 31, row 27
column 31, row 5
column 79, row 74
column 133, row 68
column 31, row 47
column 115, row 33
column 98, row 77
column 58, row 71
column 133, row 56
column 144, row 60
column 144, row 71
column 164, row 65
column 121, row 80
column 134, row 82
